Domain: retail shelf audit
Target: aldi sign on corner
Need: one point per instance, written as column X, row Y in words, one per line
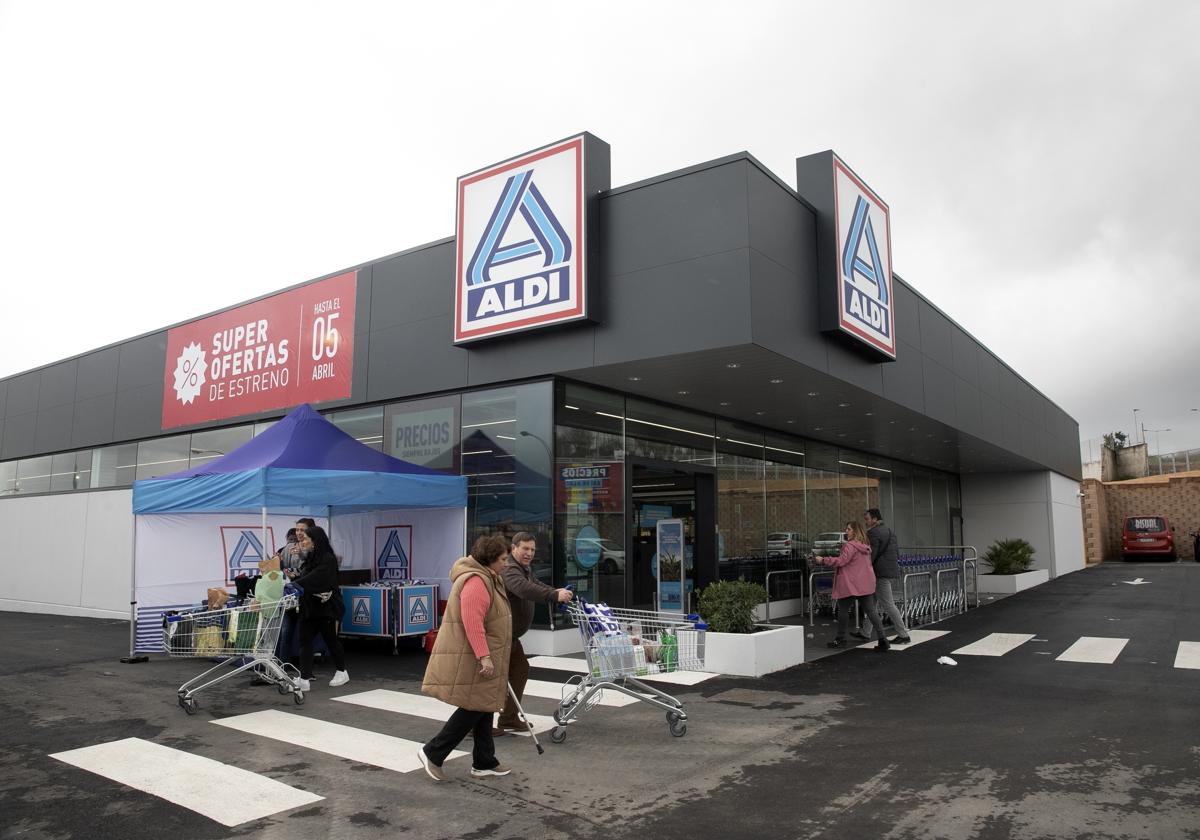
column 864, row 262
column 522, row 239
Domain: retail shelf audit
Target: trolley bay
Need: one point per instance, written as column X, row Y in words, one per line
column 1018, row 739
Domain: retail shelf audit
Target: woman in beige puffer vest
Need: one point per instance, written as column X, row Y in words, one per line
column 469, row 664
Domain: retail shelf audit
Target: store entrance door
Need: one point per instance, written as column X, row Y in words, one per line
column 667, row 490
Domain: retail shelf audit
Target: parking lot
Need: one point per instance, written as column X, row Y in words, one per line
column 1071, row 712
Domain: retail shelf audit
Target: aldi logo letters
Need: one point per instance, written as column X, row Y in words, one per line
column 360, row 611
column 521, row 243
column 393, row 552
column 243, row 549
column 418, row 610
column 864, row 263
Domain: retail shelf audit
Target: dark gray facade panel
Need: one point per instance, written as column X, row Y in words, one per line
column 20, row 436
column 989, row 374
column 3, row 398
column 536, row 354
column 362, row 331
column 143, row 362
column 966, row 356
column 991, row 419
column 413, row 287
column 1014, row 440
column 23, row 394
column 937, row 340
column 781, row 227
column 851, row 366
column 904, row 379
column 967, row 407
column 1010, row 390
column 908, row 319
column 783, row 312
column 939, row 393
column 403, row 363
column 674, row 220
column 698, row 304
column 92, row 424
column 1033, row 405
column 54, row 428
column 58, row 385
column 97, row 374
column 138, row 412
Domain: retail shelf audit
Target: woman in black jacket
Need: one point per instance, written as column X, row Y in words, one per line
column 321, row 605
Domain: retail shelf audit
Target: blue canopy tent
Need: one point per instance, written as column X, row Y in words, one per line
column 303, row 466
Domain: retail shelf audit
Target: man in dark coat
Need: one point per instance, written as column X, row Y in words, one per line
column 524, row 590
column 885, row 557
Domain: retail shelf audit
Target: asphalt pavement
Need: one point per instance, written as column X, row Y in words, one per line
column 1072, row 713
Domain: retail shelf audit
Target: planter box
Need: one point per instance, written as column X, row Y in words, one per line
column 754, row 654
column 1010, row 584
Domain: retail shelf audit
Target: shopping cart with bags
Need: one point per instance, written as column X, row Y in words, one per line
column 243, row 637
column 621, row 645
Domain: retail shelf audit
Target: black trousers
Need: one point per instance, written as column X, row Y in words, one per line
column 867, row 604
column 483, row 754
column 327, row 627
column 518, row 676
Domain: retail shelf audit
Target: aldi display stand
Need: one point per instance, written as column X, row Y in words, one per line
column 389, row 611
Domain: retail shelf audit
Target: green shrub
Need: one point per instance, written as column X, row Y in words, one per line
column 728, row 605
column 1009, row 557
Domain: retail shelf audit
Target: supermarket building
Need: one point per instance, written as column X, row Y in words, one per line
column 710, row 345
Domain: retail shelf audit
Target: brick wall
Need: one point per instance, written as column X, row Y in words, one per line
column 1107, row 505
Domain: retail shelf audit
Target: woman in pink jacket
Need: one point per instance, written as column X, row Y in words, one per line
column 855, row 581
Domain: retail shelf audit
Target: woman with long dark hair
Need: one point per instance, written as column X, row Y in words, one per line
column 321, row 605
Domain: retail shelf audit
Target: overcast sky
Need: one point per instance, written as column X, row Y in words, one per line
column 162, row 160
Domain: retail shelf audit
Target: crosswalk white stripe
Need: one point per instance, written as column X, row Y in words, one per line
column 221, row 792
column 579, row 666
column 1094, row 649
column 419, row 705
column 557, row 691
column 995, row 644
column 349, row 742
column 1188, row 655
column 917, row 636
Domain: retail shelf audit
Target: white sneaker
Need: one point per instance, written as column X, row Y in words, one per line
column 304, row 686
column 339, row 678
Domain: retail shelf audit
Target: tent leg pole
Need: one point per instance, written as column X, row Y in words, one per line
column 133, row 658
column 266, row 548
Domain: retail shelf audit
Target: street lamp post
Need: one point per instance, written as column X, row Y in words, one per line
column 1157, row 443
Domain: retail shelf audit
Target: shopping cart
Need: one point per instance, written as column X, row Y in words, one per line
column 621, row 645
column 243, row 637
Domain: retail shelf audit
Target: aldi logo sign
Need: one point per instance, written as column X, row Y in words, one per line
column 393, row 552
column 864, row 239
column 244, row 550
column 854, row 254
column 522, row 240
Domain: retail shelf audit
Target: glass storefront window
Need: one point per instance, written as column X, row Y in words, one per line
column 788, row 541
column 205, row 446
column 163, row 456
column 363, row 424
column 114, row 466
column 589, row 493
column 506, row 453
column 424, row 432
column 70, row 471
column 8, row 478
column 667, row 434
column 33, row 475
column 922, row 509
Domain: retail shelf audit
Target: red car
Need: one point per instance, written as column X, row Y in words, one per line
column 1148, row 536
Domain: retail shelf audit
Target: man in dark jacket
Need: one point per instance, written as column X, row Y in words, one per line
column 523, row 592
column 885, row 557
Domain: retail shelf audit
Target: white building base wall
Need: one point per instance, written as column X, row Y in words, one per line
column 1041, row 507
column 68, row 554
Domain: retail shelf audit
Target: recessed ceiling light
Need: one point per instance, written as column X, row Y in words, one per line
column 776, row 381
column 683, row 393
column 760, row 413
column 814, row 393
column 725, row 403
column 816, row 428
column 841, row 434
column 869, row 414
column 732, row 365
column 791, row 421
column 843, row 405
column 635, row 379
column 912, row 428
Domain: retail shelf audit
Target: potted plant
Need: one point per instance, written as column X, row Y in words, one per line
column 735, row 643
column 1010, row 561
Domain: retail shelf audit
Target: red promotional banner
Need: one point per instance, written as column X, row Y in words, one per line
column 291, row 348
